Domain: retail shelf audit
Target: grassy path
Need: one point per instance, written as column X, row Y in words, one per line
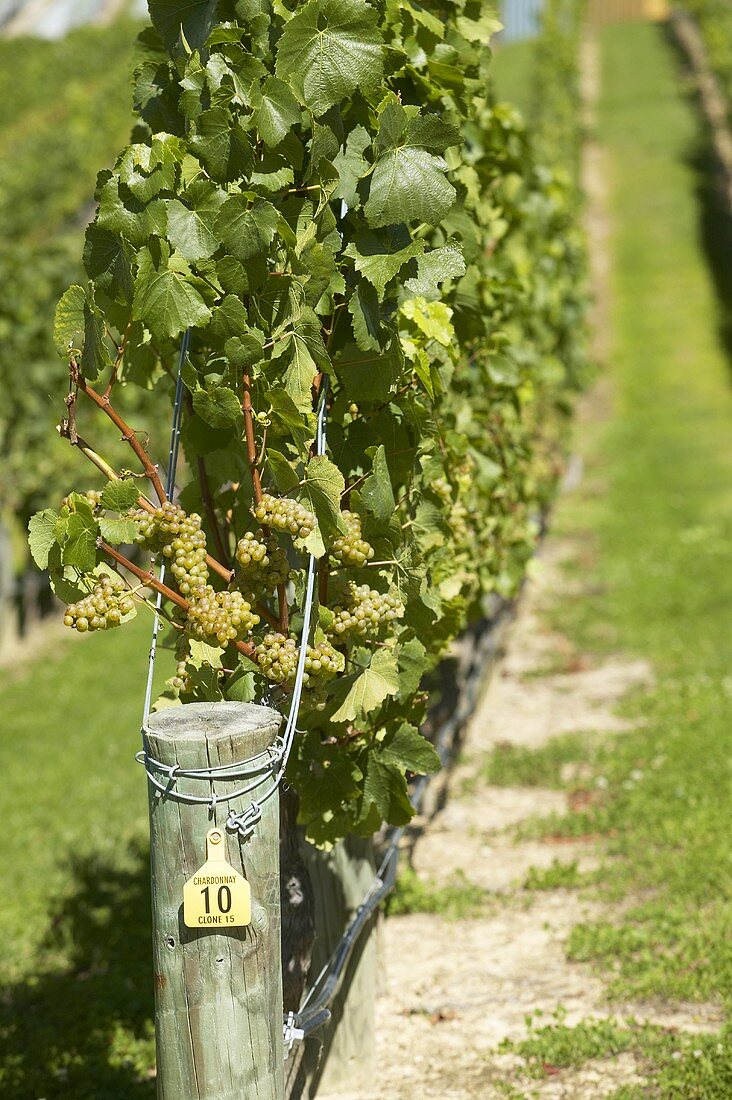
column 653, row 521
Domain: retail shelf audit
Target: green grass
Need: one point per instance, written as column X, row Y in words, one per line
column 692, row 1066
column 456, row 899
column 660, row 583
column 76, row 1004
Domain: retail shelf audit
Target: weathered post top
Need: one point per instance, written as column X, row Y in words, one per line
column 254, row 725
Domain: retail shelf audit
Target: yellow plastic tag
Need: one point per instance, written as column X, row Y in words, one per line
column 217, row 895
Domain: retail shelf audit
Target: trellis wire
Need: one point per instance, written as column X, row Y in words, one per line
column 272, row 760
column 169, row 490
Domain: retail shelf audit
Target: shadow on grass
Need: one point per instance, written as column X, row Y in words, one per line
column 82, row 1027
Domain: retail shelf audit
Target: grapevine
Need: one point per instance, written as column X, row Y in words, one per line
column 267, row 207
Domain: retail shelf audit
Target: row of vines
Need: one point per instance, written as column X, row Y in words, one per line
column 326, row 201
column 714, row 18
column 64, row 109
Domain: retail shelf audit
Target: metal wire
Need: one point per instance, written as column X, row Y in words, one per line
column 169, row 490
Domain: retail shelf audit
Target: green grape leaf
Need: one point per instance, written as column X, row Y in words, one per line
column 322, row 491
column 195, row 18
column 241, row 686
column 363, row 305
column 42, row 536
column 107, row 263
column 164, row 299
column 66, row 583
column 434, row 267
column 408, row 183
column 80, row 545
column 246, row 228
column 368, row 376
column 376, row 492
column 117, row 531
column 286, row 420
column 222, row 147
column 217, row 405
column 148, row 170
column 377, row 262
column 243, row 351
column 351, row 166
column 191, row 227
column 385, row 789
column 276, row 110
column 230, row 318
column 370, row 688
column 120, row 495
column 95, row 357
column 284, row 476
column 408, row 750
column 299, row 375
column 412, row 666
column 330, row 48
column 68, row 327
column 204, row 654
column 434, row 319
column 131, row 219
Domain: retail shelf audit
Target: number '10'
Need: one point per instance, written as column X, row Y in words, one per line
column 223, row 899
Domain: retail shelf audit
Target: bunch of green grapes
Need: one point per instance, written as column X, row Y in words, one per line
column 224, row 616
column 105, row 606
column 179, row 537
column 277, row 657
column 262, row 561
column 322, row 662
column 181, row 682
column 351, row 548
column 284, row 514
column 366, row 611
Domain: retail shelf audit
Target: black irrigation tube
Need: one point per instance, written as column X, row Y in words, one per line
column 314, row 1015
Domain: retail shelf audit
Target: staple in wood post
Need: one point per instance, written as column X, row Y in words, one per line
column 218, row 993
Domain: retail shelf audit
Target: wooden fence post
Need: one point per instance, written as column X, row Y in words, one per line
column 218, row 992
column 344, row 1055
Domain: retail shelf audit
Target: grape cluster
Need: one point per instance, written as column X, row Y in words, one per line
column 322, row 662
column 366, row 611
column 180, row 538
column 277, row 657
column 181, row 682
column 351, row 549
column 284, row 514
column 104, row 607
column 224, row 616
column 262, row 560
